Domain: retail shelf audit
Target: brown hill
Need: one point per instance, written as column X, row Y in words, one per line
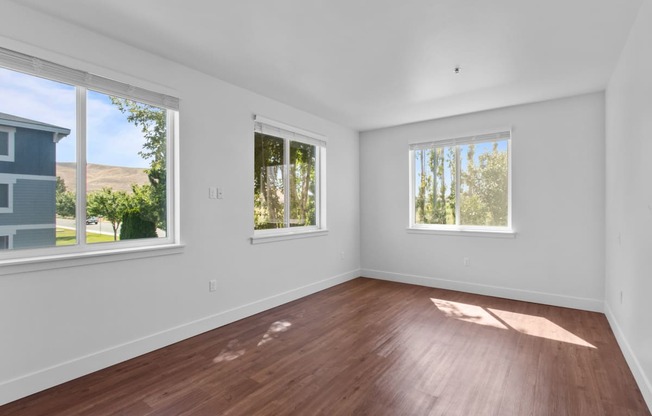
column 98, row 176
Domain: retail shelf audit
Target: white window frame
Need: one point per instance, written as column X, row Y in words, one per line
column 458, row 229
column 11, row 132
column 290, row 133
column 83, row 81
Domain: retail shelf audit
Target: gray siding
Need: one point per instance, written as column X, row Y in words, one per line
column 34, row 153
column 34, row 203
column 35, row 238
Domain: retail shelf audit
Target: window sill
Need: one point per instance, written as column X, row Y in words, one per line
column 59, row 261
column 287, row 235
column 465, row 232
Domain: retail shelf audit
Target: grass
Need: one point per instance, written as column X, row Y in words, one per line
column 66, row 237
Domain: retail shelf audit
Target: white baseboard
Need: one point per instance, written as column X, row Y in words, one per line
column 634, row 365
column 27, row 384
column 594, row 305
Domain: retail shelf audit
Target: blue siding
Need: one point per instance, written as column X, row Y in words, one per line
column 34, row 203
column 35, row 238
column 34, row 153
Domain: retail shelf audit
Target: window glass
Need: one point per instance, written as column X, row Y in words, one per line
column 269, row 179
column 43, row 170
column 4, row 195
column 4, row 143
column 126, row 169
column 434, row 185
column 303, row 163
column 483, row 186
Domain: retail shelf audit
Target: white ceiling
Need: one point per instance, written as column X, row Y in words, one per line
column 370, row 64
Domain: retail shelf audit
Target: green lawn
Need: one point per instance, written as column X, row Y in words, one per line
column 66, row 237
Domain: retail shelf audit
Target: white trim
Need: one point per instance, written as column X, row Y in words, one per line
column 464, row 232
column 27, row 384
column 318, row 139
column 634, row 364
column 588, row 304
column 66, row 260
column 17, row 176
column 443, row 139
column 11, row 138
column 39, row 67
column 286, row 235
column 18, row 227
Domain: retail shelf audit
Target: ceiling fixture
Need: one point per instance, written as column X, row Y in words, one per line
column 457, row 69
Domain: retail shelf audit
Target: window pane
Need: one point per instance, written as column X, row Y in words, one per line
column 434, row 186
column 4, row 143
column 269, row 195
column 4, row 195
column 483, row 184
column 43, row 116
column 303, row 162
column 126, row 169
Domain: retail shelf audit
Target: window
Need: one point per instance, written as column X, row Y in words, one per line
column 461, row 184
column 4, row 242
column 91, row 160
column 6, row 144
column 288, row 179
column 5, row 198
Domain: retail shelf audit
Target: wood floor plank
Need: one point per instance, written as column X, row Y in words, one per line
column 370, row 347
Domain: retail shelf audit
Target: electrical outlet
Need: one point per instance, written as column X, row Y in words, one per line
column 218, row 193
column 467, row 262
column 212, row 193
column 212, row 285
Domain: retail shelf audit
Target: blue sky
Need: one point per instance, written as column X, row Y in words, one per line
column 111, row 139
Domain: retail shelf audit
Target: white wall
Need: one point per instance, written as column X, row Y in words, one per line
column 558, row 197
column 629, row 201
column 57, row 324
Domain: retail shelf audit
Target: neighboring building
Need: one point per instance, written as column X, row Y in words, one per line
column 28, row 182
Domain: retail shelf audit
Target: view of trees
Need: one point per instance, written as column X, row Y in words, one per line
column 483, row 185
column 145, row 206
column 270, row 183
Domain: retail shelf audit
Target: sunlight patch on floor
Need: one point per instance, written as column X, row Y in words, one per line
column 467, row 313
column 274, row 329
column 526, row 324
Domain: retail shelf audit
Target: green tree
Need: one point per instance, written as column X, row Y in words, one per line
column 269, row 194
column 65, row 200
column 110, row 205
column 152, row 123
column 140, row 215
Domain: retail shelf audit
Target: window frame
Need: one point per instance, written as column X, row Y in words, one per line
column 83, row 82
column 10, row 156
column 457, row 228
column 293, row 134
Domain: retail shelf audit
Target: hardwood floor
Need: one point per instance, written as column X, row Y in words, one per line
column 369, row 347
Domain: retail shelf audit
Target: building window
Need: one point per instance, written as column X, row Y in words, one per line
column 4, row 242
column 6, row 198
column 6, row 144
column 461, row 184
column 92, row 160
column 289, row 164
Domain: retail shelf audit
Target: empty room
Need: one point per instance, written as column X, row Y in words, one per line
column 326, row 207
